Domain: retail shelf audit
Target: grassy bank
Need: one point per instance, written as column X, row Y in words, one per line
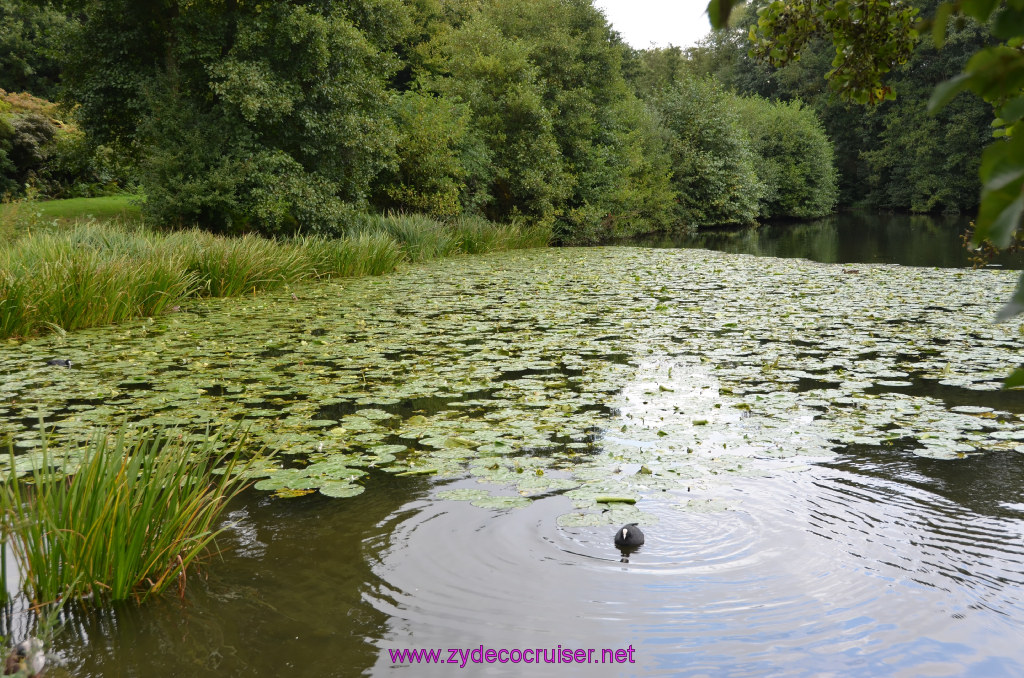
column 105, row 208
column 88, row 273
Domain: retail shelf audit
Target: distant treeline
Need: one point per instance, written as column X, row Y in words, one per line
column 894, row 156
column 286, row 117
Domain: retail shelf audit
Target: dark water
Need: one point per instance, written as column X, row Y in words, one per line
column 867, row 566
column 870, row 563
column 848, row 238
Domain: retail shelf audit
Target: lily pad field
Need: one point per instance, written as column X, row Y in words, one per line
column 823, row 457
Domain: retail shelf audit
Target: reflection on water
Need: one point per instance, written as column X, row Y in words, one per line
column 865, row 566
column 848, row 238
column 288, row 598
column 838, row 570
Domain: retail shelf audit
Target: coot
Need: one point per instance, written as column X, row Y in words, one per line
column 629, row 536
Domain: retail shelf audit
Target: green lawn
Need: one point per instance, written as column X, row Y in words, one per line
column 105, row 208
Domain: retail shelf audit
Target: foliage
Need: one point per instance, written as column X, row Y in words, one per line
column 85, row 277
column 93, row 274
column 433, row 147
column 78, row 168
column 995, row 73
column 795, row 158
column 494, row 76
column 712, row 162
column 8, row 170
column 30, row 42
column 615, row 167
column 654, row 69
column 555, row 134
column 261, row 116
column 893, row 155
column 25, row 144
column 43, row 154
column 869, row 36
column 130, row 521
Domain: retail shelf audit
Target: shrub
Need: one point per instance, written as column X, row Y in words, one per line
column 429, row 175
column 25, row 144
column 712, row 163
column 795, row 158
column 77, row 168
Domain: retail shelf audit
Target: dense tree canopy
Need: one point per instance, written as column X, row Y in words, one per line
column 894, row 155
column 291, row 116
column 712, row 162
column 795, row 160
column 31, row 36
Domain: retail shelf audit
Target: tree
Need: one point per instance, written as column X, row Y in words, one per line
column 712, row 162
column 246, row 116
column 892, row 155
column 566, row 140
column 795, row 158
column 30, row 42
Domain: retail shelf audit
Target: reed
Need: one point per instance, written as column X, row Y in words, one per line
column 421, row 237
column 228, row 267
column 360, row 254
column 131, row 521
column 477, row 235
column 91, row 273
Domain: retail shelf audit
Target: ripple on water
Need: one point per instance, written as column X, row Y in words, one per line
column 803, row 577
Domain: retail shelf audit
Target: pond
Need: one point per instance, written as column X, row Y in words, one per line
column 850, row 238
column 821, row 456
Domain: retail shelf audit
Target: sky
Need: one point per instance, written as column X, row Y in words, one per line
column 642, row 22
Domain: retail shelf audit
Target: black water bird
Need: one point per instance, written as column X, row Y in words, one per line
column 629, row 536
column 60, row 362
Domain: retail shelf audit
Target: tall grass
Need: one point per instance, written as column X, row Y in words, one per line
column 358, row 255
column 227, row 267
column 130, row 522
column 92, row 273
column 88, row 275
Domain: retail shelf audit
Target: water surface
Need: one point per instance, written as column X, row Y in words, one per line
column 822, row 458
column 850, row 238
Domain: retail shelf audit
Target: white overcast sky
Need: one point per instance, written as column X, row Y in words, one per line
column 662, row 22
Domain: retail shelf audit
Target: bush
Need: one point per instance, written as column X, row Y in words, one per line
column 266, row 117
column 9, row 185
column 795, row 158
column 77, row 168
column 430, row 175
column 25, row 144
column 712, row 162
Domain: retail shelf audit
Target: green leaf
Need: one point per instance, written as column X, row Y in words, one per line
column 1008, row 23
column 340, row 489
column 719, row 11
column 1001, row 230
column 945, row 91
column 1012, row 111
column 979, row 9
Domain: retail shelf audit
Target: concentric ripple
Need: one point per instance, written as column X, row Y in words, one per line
column 807, row 575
